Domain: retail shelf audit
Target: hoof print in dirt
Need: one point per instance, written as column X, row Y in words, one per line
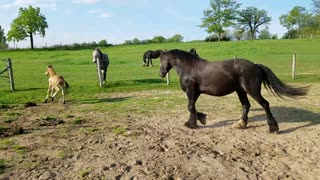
column 11, row 131
column 30, row 104
column 49, row 121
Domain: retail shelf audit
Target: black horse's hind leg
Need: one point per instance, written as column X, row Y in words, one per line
column 242, row 123
column 273, row 125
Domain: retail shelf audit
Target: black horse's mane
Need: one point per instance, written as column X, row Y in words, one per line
column 187, row 58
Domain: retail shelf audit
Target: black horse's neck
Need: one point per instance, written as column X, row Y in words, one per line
column 183, row 61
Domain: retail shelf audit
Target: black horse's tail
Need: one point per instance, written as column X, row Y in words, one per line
column 277, row 87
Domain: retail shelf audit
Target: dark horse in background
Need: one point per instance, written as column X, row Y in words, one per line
column 149, row 55
column 219, row 78
column 103, row 59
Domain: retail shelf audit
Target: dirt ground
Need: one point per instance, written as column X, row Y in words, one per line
column 79, row 143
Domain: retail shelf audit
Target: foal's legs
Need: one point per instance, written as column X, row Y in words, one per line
column 242, row 123
column 55, row 93
column 49, row 90
column 273, row 125
column 62, row 92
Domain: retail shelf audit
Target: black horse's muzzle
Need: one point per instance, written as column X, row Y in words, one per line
column 162, row 74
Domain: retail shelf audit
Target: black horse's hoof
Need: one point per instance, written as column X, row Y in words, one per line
column 273, row 129
column 241, row 124
column 191, row 126
column 202, row 118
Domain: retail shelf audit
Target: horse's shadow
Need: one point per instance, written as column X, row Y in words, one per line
column 147, row 81
column 282, row 115
column 103, row 100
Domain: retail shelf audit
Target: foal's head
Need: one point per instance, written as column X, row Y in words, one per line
column 49, row 70
column 96, row 54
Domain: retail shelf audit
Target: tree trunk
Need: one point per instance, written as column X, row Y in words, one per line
column 31, row 40
column 252, row 34
column 219, row 36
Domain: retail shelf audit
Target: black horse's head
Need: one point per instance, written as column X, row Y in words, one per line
column 146, row 55
column 96, row 55
column 165, row 63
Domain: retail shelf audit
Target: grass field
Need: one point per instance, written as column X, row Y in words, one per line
column 126, row 73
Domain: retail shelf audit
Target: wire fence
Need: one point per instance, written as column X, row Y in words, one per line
column 8, row 68
column 31, row 74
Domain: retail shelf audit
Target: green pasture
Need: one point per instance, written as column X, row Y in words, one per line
column 126, row 72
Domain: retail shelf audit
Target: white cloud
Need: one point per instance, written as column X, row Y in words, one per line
column 85, row 1
column 49, row 4
column 104, row 15
column 100, row 13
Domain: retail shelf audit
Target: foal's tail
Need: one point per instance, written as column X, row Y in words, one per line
column 277, row 87
column 66, row 83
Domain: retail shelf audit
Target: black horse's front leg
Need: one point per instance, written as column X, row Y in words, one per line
column 192, row 97
column 151, row 62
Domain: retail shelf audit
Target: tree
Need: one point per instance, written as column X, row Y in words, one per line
column 265, row 34
column 103, row 43
column 252, row 18
column 158, row 39
column 297, row 18
column 316, row 6
column 127, row 42
column 221, row 15
column 146, row 41
column 28, row 23
column 238, row 34
column 175, row 38
column 3, row 39
column 135, row 41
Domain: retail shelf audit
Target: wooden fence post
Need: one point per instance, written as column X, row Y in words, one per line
column 10, row 74
column 99, row 73
column 293, row 66
column 168, row 78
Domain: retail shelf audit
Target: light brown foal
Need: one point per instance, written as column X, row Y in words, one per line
column 56, row 82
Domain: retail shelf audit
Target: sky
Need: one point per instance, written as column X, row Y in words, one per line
column 78, row 21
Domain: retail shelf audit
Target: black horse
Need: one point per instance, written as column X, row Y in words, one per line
column 219, row 78
column 149, row 55
column 103, row 58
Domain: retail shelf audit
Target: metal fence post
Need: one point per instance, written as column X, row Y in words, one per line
column 10, row 74
column 293, row 66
